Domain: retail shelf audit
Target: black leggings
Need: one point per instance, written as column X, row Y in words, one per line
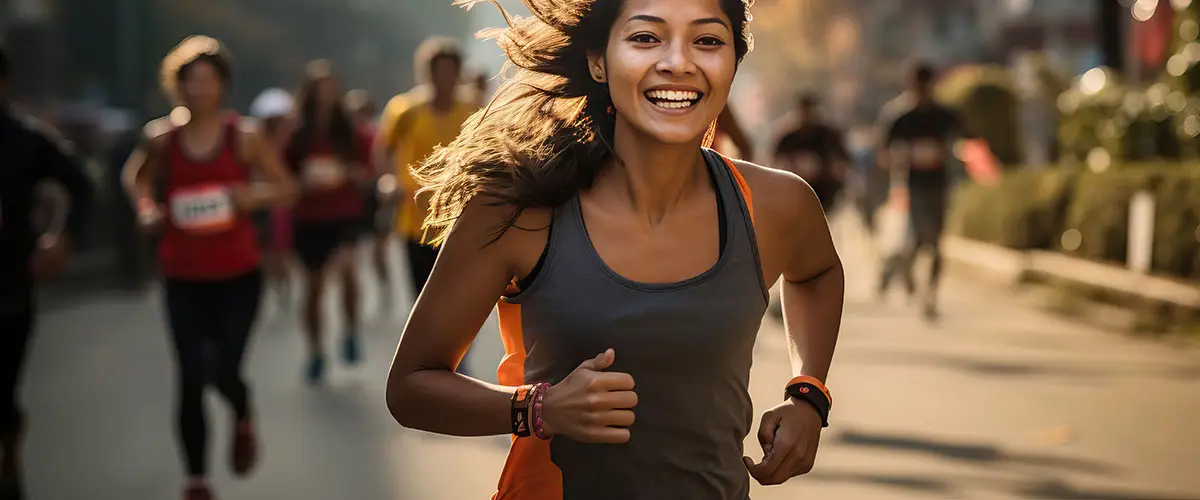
column 210, row 324
column 15, row 329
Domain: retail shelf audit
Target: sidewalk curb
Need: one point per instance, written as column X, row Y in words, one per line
column 1018, row 266
column 1020, row 269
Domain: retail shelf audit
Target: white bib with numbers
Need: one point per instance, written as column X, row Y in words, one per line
column 202, row 209
column 323, row 172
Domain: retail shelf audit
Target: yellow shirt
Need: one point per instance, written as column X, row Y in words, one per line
column 412, row 130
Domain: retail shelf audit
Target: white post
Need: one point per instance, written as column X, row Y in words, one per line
column 1141, row 232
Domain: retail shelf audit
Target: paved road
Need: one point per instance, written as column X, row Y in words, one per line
column 1000, row 401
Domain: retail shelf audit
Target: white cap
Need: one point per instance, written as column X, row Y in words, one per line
column 272, row 103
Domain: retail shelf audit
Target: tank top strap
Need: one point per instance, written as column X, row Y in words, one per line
column 738, row 207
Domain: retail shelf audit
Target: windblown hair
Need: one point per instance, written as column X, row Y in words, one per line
column 547, row 132
column 192, row 50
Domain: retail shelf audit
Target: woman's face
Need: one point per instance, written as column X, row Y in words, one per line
column 202, row 87
column 669, row 66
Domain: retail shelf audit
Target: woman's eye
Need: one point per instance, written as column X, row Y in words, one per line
column 643, row 38
column 710, row 41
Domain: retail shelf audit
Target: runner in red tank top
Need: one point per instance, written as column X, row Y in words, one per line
column 330, row 157
column 191, row 183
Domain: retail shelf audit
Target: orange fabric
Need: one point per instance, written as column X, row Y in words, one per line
column 528, row 474
column 512, row 366
column 741, row 182
column 812, row 380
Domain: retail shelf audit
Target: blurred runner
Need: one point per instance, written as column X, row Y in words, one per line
column 274, row 109
column 815, row 151
column 30, row 153
column 379, row 211
column 918, row 146
column 330, row 156
column 412, row 127
column 192, row 182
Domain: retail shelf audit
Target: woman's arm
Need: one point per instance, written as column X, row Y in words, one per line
column 423, row 390
column 142, row 167
column 813, row 289
column 281, row 188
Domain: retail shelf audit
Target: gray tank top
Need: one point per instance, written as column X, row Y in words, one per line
column 688, row 346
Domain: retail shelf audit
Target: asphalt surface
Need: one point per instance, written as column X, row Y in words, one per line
column 997, row 401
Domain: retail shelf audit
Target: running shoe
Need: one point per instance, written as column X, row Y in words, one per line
column 245, row 448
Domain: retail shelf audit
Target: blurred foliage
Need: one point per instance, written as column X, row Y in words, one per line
column 1091, row 117
column 986, row 99
column 1024, row 212
column 1183, row 76
column 1138, row 123
column 1032, row 209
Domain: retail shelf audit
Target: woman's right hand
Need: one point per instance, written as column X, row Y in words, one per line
column 591, row 405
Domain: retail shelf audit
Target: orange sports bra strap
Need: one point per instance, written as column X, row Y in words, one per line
column 742, row 185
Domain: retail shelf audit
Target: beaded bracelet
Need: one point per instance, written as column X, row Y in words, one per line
column 537, row 398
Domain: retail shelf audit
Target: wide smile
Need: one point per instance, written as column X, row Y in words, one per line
column 674, row 100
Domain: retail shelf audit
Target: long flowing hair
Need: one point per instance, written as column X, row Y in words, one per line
column 547, row 132
column 342, row 133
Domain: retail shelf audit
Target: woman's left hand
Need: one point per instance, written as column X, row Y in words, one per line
column 789, row 435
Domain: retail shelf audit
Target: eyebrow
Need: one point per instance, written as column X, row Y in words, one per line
column 659, row 20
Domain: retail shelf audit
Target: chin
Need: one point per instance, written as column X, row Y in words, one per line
column 673, row 135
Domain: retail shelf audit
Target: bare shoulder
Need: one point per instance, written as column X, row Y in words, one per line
column 156, row 132
column 779, row 194
column 479, row 229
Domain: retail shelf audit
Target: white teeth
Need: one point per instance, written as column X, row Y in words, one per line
column 673, row 104
column 673, row 95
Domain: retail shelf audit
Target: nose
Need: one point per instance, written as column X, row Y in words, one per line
column 677, row 60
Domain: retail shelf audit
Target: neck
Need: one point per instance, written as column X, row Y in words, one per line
column 443, row 100
column 653, row 177
column 204, row 119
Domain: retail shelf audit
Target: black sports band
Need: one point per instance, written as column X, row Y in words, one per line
column 520, row 412
column 812, row 395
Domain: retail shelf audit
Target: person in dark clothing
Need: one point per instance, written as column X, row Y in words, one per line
column 30, row 153
column 918, row 144
column 815, row 151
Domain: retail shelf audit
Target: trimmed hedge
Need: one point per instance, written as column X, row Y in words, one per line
column 1031, row 209
column 1024, row 211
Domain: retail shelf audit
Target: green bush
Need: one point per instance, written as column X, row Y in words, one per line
column 1100, row 212
column 985, row 98
column 1031, row 209
column 1024, row 211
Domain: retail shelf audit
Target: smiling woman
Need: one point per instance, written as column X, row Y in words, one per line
column 640, row 259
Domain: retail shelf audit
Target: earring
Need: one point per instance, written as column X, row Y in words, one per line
column 598, row 75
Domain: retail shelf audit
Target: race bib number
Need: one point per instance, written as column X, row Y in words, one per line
column 927, row 154
column 323, row 172
column 202, row 210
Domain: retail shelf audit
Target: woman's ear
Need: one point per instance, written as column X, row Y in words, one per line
column 596, row 68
